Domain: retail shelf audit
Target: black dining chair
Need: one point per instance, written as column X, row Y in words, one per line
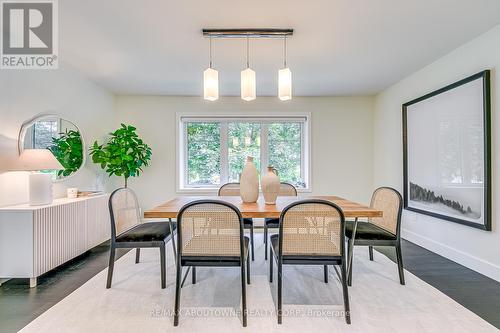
column 128, row 232
column 233, row 189
column 286, row 190
column 210, row 233
column 379, row 231
column 311, row 232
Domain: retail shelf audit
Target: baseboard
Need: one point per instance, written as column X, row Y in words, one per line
column 477, row 264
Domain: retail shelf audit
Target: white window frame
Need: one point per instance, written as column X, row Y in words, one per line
column 181, row 143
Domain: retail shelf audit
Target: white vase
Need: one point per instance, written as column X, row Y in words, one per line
column 270, row 184
column 249, row 182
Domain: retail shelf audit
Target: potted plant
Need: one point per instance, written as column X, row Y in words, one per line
column 123, row 155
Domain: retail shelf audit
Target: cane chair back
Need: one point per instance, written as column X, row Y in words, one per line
column 124, row 211
column 287, row 190
column 312, row 228
column 229, row 189
column 210, row 228
column 389, row 201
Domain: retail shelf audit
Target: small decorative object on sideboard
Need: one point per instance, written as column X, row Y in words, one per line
column 270, row 184
column 72, row 193
column 249, row 182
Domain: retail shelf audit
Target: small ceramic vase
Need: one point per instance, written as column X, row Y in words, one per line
column 270, row 184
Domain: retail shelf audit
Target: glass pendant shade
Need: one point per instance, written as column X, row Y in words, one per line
column 248, row 84
column 285, row 84
column 211, row 84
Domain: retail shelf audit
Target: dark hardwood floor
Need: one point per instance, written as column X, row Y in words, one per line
column 476, row 292
column 19, row 304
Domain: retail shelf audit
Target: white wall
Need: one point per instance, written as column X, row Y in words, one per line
column 341, row 134
column 471, row 247
column 25, row 93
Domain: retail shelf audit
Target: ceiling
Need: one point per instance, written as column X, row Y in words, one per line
column 340, row 47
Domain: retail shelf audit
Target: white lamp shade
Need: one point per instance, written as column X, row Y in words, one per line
column 38, row 159
column 248, row 84
column 211, row 84
column 285, row 84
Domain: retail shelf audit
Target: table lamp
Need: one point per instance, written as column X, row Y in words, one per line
column 40, row 184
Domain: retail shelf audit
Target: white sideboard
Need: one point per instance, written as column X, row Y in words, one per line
column 36, row 239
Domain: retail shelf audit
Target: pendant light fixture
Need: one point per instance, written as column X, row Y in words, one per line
column 284, row 78
column 210, row 80
column 248, row 80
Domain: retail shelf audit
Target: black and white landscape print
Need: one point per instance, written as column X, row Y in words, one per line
column 445, row 165
column 433, row 200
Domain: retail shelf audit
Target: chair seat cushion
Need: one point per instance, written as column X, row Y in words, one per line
column 212, row 248
column 247, row 222
column 272, row 222
column 146, row 232
column 331, row 247
column 368, row 231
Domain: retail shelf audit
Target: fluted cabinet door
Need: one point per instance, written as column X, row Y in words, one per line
column 98, row 224
column 59, row 234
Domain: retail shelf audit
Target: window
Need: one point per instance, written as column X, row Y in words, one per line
column 43, row 132
column 213, row 150
column 203, row 153
column 243, row 141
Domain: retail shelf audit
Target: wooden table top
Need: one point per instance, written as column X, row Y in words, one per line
column 260, row 209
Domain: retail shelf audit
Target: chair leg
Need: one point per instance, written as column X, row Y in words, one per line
column 137, row 255
column 346, row 294
column 325, row 272
column 265, row 240
column 193, row 275
column 251, row 241
column 350, row 255
column 243, row 295
column 280, row 292
column 111, row 266
column 162, row 267
column 399, row 256
column 271, row 259
column 248, row 269
column 370, row 251
column 178, row 279
column 172, row 238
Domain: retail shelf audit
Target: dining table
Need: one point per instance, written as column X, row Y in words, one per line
column 259, row 209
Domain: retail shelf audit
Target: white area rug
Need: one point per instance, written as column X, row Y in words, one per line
column 136, row 303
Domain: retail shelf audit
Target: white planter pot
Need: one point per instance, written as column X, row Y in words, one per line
column 270, row 184
column 249, row 182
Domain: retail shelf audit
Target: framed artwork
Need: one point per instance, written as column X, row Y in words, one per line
column 447, row 153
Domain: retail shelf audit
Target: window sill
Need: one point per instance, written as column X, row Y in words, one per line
column 198, row 190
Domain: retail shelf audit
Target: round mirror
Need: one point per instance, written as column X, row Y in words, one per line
column 62, row 137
